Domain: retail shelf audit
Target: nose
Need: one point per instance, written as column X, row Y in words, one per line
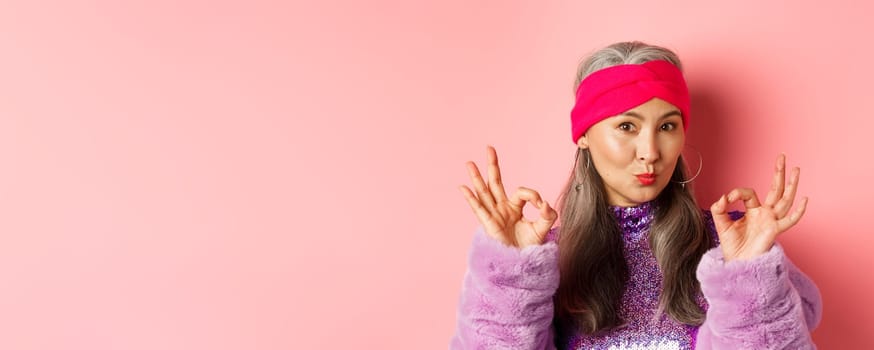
column 647, row 147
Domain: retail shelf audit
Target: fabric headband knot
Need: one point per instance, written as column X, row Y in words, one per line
column 617, row 89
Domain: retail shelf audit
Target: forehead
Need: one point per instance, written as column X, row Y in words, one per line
column 654, row 107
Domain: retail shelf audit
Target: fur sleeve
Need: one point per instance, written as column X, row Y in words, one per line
column 506, row 298
column 764, row 303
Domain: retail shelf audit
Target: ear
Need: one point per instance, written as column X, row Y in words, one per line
column 583, row 142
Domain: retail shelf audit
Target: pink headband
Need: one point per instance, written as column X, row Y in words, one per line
column 614, row 90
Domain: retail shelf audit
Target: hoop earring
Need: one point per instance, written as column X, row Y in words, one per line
column 588, row 164
column 700, row 166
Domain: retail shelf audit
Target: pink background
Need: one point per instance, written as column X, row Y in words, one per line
column 266, row 175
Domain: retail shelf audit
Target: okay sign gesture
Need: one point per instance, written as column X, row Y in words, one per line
column 500, row 216
column 754, row 233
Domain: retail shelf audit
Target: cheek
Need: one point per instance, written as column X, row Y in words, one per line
column 672, row 154
column 673, row 145
column 615, row 151
column 675, row 151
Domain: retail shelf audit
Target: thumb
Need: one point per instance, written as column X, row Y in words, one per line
column 721, row 219
column 546, row 220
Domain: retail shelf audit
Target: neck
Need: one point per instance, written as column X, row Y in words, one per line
column 634, row 218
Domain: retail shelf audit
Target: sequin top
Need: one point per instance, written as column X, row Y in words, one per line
column 642, row 330
column 507, row 298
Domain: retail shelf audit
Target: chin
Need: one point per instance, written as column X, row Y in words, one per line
column 646, row 196
column 639, row 195
column 644, row 199
column 636, row 199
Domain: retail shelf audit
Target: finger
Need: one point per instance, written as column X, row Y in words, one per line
column 524, row 194
column 484, row 216
column 495, row 182
column 778, row 183
column 485, row 197
column 793, row 218
column 721, row 219
column 547, row 218
column 783, row 205
column 747, row 195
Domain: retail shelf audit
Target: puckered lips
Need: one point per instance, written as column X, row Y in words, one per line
column 646, row 179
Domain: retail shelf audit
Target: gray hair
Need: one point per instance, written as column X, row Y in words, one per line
column 629, row 52
column 591, row 263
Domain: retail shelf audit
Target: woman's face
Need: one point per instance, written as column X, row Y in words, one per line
column 636, row 152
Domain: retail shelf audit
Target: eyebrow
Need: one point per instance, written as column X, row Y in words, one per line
column 638, row 116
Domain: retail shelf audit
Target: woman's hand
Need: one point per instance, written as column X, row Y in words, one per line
column 754, row 233
column 502, row 217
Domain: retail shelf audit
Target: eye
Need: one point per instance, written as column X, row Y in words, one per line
column 626, row 126
column 669, row 126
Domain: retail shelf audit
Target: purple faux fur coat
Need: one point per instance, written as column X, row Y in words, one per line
column 506, row 300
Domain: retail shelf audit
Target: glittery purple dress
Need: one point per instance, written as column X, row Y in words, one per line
column 642, row 330
column 506, row 299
